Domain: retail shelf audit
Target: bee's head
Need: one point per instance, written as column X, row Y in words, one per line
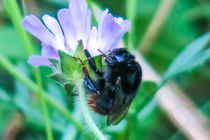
column 121, row 55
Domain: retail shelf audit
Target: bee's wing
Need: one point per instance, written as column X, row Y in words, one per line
column 119, row 109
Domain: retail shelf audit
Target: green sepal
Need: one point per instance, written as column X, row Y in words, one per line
column 55, row 62
column 79, row 52
column 67, row 83
column 69, row 88
column 61, row 79
column 69, row 65
column 71, row 69
column 98, row 60
column 55, row 65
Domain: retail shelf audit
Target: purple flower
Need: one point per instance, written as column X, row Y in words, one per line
column 74, row 24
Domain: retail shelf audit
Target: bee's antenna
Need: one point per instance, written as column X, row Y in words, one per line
column 101, row 52
column 107, row 58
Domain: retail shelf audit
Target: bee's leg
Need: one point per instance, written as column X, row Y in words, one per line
column 91, row 61
column 92, row 64
column 88, row 82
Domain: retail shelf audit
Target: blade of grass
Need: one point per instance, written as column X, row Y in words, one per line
column 24, row 7
column 4, row 63
column 130, row 13
column 15, row 15
column 155, row 26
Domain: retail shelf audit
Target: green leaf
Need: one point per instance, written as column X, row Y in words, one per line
column 145, row 94
column 191, row 57
column 206, row 108
column 197, row 60
column 178, row 136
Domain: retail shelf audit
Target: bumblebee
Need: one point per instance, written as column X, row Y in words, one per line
column 116, row 87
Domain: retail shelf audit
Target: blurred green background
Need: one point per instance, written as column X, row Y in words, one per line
column 20, row 111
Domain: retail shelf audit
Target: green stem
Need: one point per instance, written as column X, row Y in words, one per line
column 15, row 15
column 87, row 114
column 46, row 118
column 43, row 105
column 130, row 13
column 24, row 7
column 39, row 91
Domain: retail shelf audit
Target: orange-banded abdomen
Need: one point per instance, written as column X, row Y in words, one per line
column 101, row 104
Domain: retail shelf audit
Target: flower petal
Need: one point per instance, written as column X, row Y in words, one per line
column 125, row 27
column 110, row 31
column 79, row 12
column 54, row 27
column 49, row 52
column 34, row 26
column 101, row 21
column 92, row 42
column 75, row 22
column 109, row 28
column 87, row 28
column 65, row 19
column 36, row 60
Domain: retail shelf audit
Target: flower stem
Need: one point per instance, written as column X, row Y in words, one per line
column 4, row 63
column 95, row 130
column 15, row 15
